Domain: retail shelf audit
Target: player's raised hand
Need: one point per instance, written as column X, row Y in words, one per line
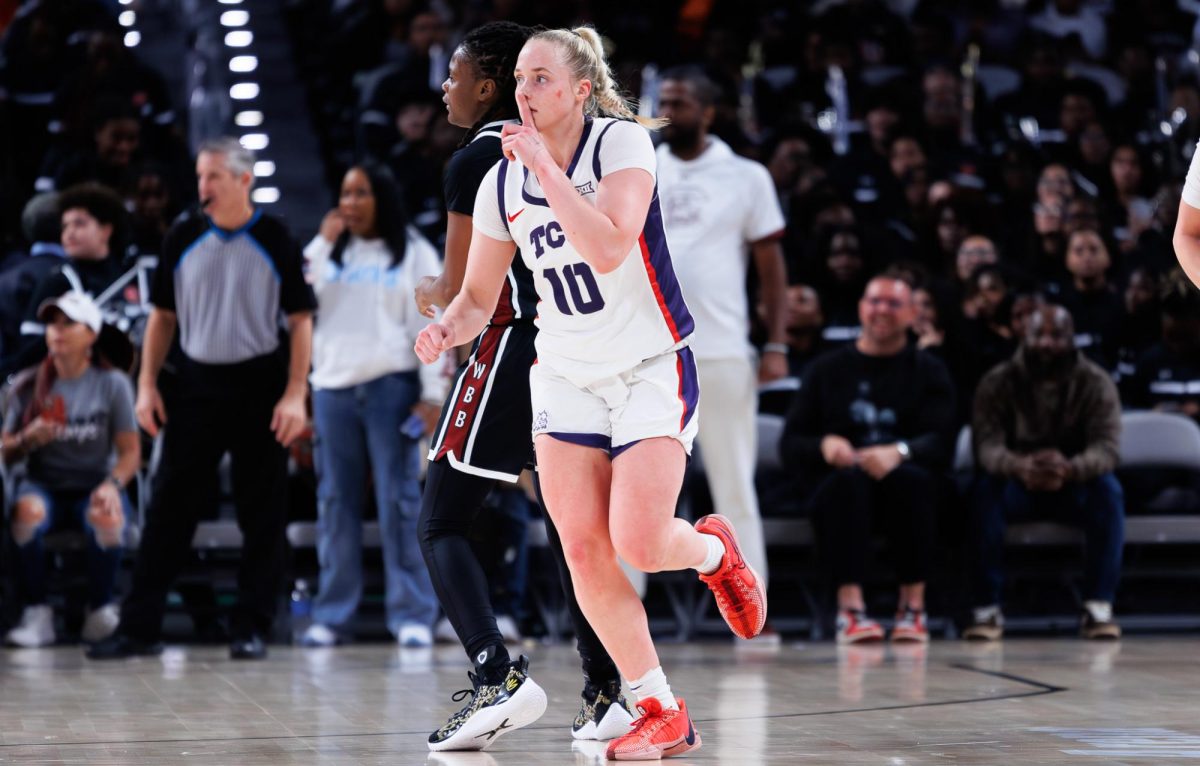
column 432, row 341
column 523, row 141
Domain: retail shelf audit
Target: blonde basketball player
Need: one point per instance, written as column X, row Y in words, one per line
column 614, row 388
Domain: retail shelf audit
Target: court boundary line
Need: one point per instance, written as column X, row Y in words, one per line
column 1039, row 689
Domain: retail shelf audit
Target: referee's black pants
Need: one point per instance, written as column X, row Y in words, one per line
column 218, row 409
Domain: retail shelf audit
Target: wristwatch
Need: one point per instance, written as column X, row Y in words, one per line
column 112, row 479
column 905, row 452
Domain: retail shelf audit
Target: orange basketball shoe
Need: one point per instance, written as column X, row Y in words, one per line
column 657, row 734
column 739, row 590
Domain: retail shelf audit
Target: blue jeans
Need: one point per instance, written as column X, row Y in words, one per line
column 64, row 509
column 1096, row 506
column 357, row 427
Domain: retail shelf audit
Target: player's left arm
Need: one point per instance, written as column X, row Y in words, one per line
column 772, row 287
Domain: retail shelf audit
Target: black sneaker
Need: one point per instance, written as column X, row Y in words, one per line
column 249, row 648
column 119, row 646
column 987, row 624
column 494, row 709
column 604, row 714
column 1098, row 624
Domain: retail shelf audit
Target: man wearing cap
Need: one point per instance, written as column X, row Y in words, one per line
column 225, row 280
column 71, row 421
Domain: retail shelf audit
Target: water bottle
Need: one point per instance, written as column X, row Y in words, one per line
column 301, row 609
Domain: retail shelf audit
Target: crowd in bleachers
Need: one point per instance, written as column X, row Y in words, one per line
column 1000, row 159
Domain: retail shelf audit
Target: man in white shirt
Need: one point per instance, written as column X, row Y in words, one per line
column 718, row 209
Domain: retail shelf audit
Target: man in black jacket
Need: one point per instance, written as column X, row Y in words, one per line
column 875, row 420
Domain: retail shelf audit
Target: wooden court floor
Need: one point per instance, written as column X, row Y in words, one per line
column 1044, row 701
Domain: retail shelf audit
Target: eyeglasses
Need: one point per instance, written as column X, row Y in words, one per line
column 895, row 304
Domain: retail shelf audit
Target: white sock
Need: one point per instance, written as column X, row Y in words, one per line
column 654, row 684
column 985, row 613
column 1101, row 611
column 716, row 552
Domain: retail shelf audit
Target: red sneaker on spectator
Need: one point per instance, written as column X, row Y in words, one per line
column 910, row 627
column 855, row 627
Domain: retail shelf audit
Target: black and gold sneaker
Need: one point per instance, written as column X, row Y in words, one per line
column 604, row 714
column 494, row 709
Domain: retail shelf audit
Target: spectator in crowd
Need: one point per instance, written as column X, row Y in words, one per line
column 41, row 223
column 841, row 275
column 975, row 251
column 1078, row 26
column 1165, row 376
column 115, row 139
column 152, row 206
column 370, row 405
column 414, row 156
column 414, row 70
column 805, row 318
column 1142, row 327
column 872, row 424
column 1046, row 427
column 1094, row 303
column 240, row 389
column 93, row 239
column 720, row 211
column 986, row 327
column 1129, row 211
column 72, row 422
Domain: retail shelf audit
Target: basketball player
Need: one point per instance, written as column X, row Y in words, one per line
column 1187, row 227
column 483, row 433
column 614, row 386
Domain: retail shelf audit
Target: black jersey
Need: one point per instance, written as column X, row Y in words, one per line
column 464, row 173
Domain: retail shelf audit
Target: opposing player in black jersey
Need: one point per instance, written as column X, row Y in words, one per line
column 484, row 431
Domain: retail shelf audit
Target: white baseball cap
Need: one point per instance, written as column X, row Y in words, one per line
column 78, row 307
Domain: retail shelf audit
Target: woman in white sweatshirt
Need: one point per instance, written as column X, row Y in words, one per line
column 372, row 400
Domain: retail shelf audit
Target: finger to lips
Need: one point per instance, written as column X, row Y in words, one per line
column 525, row 112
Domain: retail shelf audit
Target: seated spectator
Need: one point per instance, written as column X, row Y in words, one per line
column 1046, row 427
column 72, row 422
column 975, row 251
column 1093, row 301
column 872, row 425
column 42, row 226
column 152, row 207
column 937, row 327
column 1167, row 375
column 1142, row 327
column 115, row 138
column 367, row 385
column 842, row 268
column 805, row 319
column 93, row 233
column 416, row 158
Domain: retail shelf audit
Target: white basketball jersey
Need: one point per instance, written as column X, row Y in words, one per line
column 590, row 325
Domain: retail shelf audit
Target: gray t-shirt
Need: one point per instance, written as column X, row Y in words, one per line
column 96, row 406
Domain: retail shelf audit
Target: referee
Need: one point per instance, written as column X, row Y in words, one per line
column 223, row 279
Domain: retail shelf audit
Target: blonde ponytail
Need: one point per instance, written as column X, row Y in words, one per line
column 583, row 52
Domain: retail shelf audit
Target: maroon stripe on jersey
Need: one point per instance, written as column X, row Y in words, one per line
column 462, row 415
column 504, row 307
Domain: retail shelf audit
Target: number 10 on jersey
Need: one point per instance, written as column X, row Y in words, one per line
column 573, row 274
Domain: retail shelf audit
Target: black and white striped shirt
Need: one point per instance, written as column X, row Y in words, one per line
column 227, row 288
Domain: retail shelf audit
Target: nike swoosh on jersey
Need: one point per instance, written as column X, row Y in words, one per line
column 513, row 217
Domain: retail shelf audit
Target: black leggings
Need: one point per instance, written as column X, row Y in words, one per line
column 449, row 505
